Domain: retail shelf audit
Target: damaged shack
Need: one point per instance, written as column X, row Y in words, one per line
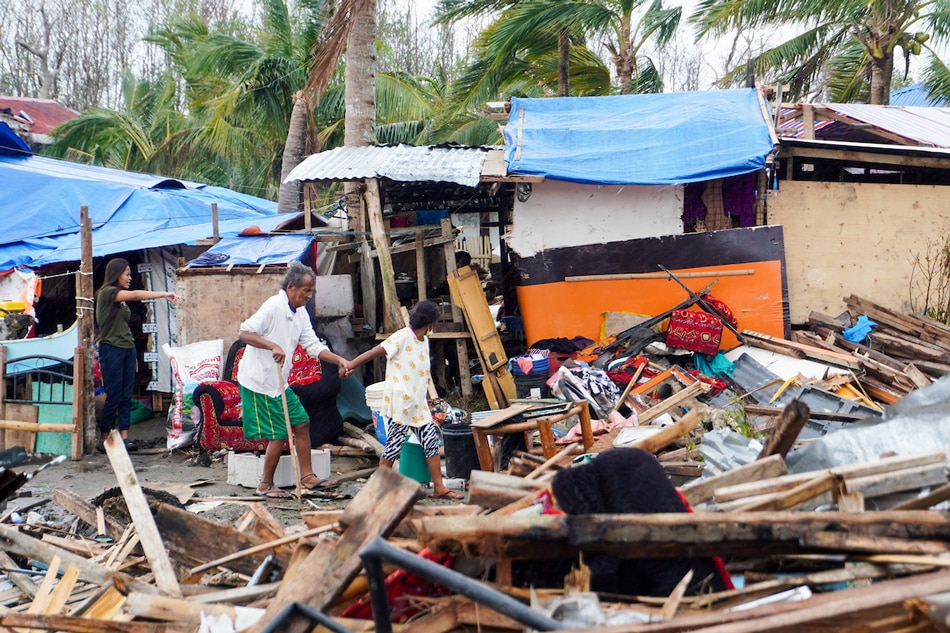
column 693, row 463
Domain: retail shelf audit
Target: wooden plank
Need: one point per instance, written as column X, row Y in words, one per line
column 666, row 535
column 181, row 529
column 74, row 504
column 493, row 490
column 833, row 606
column 149, row 536
column 263, row 547
column 816, row 353
column 669, row 434
column 23, row 582
column 938, row 495
column 467, row 293
column 44, row 593
column 703, row 490
column 797, row 495
column 21, row 412
column 73, row 624
column 853, row 471
column 328, row 570
column 790, row 424
column 16, row 542
column 501, row 415
column 839, row 542
column 167, row 609
column 62, row 591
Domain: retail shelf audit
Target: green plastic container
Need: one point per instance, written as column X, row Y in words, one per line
column 412, row 463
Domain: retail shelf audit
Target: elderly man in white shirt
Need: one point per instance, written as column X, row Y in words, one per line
column 272, row 334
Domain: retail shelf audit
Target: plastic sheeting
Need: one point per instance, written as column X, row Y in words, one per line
column 916, row 423
column 10, row 142
column 41, row 197
column 258, row 249
column 654, row 139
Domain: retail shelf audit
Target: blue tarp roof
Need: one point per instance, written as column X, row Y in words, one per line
column 10, row 142
column 653, row 139
column 40, row 199
column 256, row 249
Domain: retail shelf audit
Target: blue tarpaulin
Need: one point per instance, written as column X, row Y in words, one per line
column 10, row 142
column 256, row 249
column 652, row 139
column 40, row 200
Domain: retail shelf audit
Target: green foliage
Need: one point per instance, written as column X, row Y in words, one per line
column 930, row 281
column 843, row 50
column 735, row 418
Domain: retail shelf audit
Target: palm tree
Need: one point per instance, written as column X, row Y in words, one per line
column 845, row 48
column 624, row 26
column 247, row 93
column 147, row 134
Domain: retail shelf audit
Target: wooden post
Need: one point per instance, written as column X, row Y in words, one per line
column 214, row 223
column 420, row 265
column 79, row 403
column 307, row 209
column 461, row 345
column 391, row 318
column 85, row 313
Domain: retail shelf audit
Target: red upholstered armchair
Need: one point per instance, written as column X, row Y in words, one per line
column 219, row 403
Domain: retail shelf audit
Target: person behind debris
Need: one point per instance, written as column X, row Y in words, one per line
column 117, row 354
column 272, row 334
column 464, row 258
column 405, row 405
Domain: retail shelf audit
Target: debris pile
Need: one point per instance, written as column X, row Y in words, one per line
column 822, row 505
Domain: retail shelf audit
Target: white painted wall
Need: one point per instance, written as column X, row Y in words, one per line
column 560, row 214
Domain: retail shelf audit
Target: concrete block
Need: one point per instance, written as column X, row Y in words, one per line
column 245, row 469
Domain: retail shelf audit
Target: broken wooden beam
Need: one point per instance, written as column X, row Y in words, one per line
column 790, row 424
column 704, row 489
column 148, row 534
column 182, row 530
column 669, row 535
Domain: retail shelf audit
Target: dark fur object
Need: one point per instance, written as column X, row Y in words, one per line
column 631, row 481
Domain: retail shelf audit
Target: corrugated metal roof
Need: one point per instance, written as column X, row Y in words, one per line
column 44, row 114
column 915, row 95
column 407, row 163
column 927, row 126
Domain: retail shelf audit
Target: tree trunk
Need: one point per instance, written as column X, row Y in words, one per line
column 881, row 71
column 360, row 89
column 624, row 64
column 563, row 63
column 288, row 197
column 360, row 79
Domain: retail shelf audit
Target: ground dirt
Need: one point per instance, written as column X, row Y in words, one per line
column 189, row 475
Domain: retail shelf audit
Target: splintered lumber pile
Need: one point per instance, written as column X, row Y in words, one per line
column 902, row 353
column 170, row 568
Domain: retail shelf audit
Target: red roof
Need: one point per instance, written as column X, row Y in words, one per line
column 44, row 114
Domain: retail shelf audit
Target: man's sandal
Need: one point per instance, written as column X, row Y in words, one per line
column 271, row 491
column 317, row 485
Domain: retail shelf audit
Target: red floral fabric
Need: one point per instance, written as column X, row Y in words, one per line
column 695, row 331
column 304, row 369
column 722, row 310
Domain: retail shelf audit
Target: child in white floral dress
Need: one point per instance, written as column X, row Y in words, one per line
column 405, row 404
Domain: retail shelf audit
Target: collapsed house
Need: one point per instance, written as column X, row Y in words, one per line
column 823, row 452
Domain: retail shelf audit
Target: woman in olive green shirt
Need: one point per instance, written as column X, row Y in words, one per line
column 117, row 355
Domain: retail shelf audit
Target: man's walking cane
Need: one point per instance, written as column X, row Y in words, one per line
column 295, row 462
